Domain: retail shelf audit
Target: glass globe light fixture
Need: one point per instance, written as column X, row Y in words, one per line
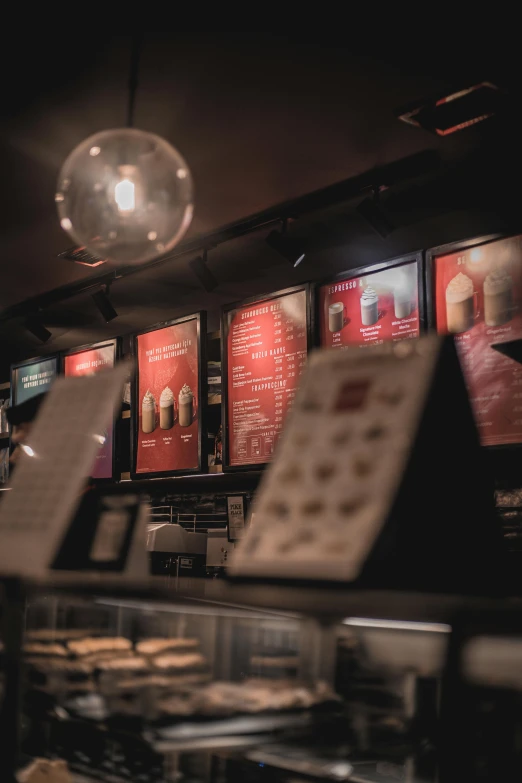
column 126, row 195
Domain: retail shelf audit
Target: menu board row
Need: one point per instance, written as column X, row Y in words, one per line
column 473, row 289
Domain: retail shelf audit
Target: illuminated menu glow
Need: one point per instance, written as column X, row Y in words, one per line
column 266, row 353
column 33, row 379
column 371, row 309
column 168, row 395
column 478, row 299
column 89, row 362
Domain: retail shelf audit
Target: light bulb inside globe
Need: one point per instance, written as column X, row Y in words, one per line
column 126, row 195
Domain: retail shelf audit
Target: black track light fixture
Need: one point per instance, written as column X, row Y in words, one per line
column 102, row 302
column 290, row 248
column 203, row 273
column 373, row 213
column 34, row 325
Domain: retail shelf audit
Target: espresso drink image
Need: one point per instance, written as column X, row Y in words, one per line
column 369, row 306
column 166, row 408
column 498, row 298
column 186, row 406
column 336, row 317
column 148, row 412
column 460, row 310
column 402, row 303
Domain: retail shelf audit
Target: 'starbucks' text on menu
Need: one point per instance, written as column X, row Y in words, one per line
column 478, row 297
column 266, row 353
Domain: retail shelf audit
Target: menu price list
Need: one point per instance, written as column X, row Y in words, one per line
column 370, row 309
column 266, row 353
column 478, row 298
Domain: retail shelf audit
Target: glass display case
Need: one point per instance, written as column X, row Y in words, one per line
column 204, row 683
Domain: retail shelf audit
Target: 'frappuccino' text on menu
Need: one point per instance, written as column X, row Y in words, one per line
column 266, row 353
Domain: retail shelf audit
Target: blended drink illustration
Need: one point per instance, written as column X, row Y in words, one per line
column 498, row 298
column 369, row 306
column 148, row 413
column 402, row 303
column 336, row 317
column 186, row 406
column 166, row 407
column 460, row 306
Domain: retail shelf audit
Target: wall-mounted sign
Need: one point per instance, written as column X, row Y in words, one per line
column 90, row 360
column 265, row 343
column 372, row 305
column 33, row 377
column 476, row 295
column 167, row 399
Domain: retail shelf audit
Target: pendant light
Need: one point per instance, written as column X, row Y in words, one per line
column 125, row 194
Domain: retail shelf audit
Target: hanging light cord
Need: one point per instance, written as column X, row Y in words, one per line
column 136, row 46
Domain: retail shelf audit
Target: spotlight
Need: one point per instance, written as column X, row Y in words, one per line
column 372, row 212
column 34, row 325
column 288, row 247
column 203, row 273
column 102, row 302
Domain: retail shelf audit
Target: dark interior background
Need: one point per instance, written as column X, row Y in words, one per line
column 261, row 118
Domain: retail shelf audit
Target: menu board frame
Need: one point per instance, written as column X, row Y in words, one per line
column 115, row 342
column 448, row 249
column 201, row 324
column 33, row 360
column 416, row 257
column 308, row 289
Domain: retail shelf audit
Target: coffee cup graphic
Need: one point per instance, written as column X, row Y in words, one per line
column 337, row 316
column 498, row 298
column 462, row 309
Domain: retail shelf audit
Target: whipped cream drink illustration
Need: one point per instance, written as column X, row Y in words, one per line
column 460, row 311
column 166, row 407
column 498, row 298
column 369, row 306
column 148, row 412
column 186, row 406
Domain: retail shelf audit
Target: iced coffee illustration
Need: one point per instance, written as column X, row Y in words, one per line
column 369, row 306
column 148, row 412
column 186, row 406
column 498, row 298
column 460, row 304
column 166, row 407
column 336, row 316
column 402, row 302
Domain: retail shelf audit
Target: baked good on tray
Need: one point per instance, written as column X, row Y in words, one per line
column 92, row 645
column 50, row 650
column 176, row 662
column 159, row 646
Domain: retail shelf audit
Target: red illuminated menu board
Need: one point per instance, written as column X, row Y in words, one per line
column 89, row 361
column 167, row 398
column 265, row 346
column 477, row 292
column 372, row 305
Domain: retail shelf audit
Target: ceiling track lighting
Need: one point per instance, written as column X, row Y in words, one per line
column 202, row 272
column 371, row 210
column 103, row 303
column 34, row 325
column 290, row 248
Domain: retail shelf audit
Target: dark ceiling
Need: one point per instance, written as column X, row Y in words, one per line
column 260, row 119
